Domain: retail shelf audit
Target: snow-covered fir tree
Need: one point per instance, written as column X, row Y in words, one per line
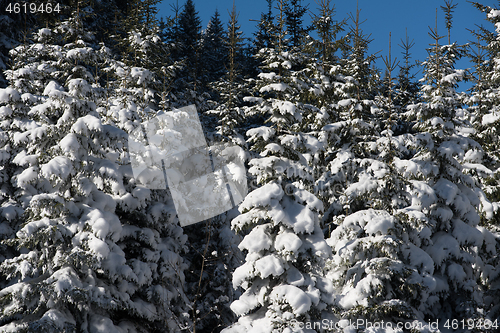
column 85, row 262
column 231, row 87
column 377, row 266
column 483, row 108
column 483, row 102
column 451, row 199
column 282, row 274
column 214, row 49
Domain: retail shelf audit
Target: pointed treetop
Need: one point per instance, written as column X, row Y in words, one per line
column 448, row 9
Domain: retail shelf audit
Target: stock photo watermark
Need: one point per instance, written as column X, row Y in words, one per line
column 432, row 325
column 170, row 151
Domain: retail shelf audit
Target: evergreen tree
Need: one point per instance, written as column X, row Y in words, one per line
column 483, row 100
column 445, row 156
column 172, row 36
column 375, row 234
column 230, row 87
column 407, row 87
column 214, row 50
column 294, row 13
column 282, row 276
column 190, row 35
column 483, row 106
column 328, row 44
column 97, row 252
column 264, row 37
column 362, row 79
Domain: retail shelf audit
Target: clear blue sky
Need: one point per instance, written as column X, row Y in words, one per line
column 382, row 17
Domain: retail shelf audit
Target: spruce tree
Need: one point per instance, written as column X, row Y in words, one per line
column 406, row 87
column 190, row 35
column 214, row 50
column 377, row 266
column 294, row 14
column 446, row 156
column 230, row 87
column 282, row 274
column 362, row 84
column 483, row 107
column 264, row 35
column 97, row 252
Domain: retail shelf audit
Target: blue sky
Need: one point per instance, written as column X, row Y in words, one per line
column 382, row 17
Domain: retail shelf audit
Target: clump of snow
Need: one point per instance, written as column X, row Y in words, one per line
column 69, row 143
column 288, row 242
column 346, row 102
column 422, row 194
column 444, row 246
column 142, row 75
column 252, row 99
column 257, row 240
column 22, row 158
column 263, row 132
column 269, row 265
column 446, row 190
column 490, row 118
column 268, row 76
column 272, row 148
column 98, row 246
column 28, row 175
column 84, row 124
column 9, row 94
column 59, row 166
column 5, row 111
column 286, row 107
column 380, row 225
column 419, row 258
column 298, row 217
column 262, row 196
column 78, row 87
column 296, row 297
column 274, row 87
column 494, row 13
column 57, row 318
column 466, row 234
column 360, row 293
column 54, row 89
column 365, row 184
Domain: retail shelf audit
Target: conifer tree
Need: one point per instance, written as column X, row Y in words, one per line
column 172, row 36
column 483, row 106
column 362, row 83
column 374, row 235
column 294, row 14
column 282, row 276
column 264, row 37
column 407, row 87
column 328, row 29
column 447, row 157
column 214, row 52
column 229, row 88
column 189, row 35
column 483, row 100
column 97, row 252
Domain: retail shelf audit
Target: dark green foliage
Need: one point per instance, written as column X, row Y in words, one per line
column 294, row 14
column 214, row 50
column 189, row 36
column 264, row 37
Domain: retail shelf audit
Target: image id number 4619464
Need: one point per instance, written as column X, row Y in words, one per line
column 33, row 8
column 471, row 324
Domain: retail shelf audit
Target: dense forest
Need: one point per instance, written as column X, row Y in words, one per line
column 373, row 193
